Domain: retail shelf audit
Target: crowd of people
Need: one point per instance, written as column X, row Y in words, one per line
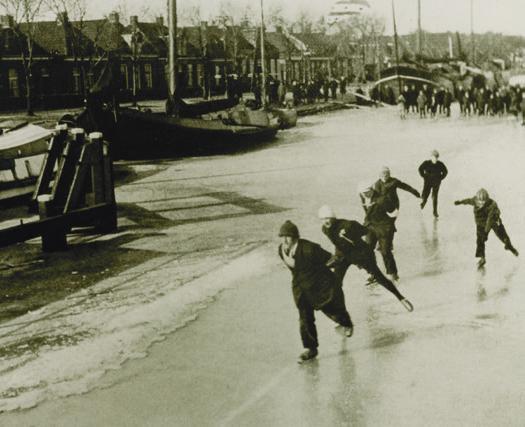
column 316, row 89
column 317, row 275
column 479, row 101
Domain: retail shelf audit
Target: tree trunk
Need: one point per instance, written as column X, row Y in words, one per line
column 29, row 105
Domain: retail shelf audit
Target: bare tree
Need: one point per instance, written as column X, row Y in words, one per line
column 24, row 13
column 358, row 37
column 72, row 14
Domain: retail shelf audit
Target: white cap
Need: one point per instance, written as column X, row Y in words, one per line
column 325, row 211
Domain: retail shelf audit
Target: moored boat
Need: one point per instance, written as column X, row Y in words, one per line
column 22, row 150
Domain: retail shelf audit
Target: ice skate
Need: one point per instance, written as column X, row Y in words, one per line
column 346, row 331
column 407, row 304
column 481, row 263
column 308, row 354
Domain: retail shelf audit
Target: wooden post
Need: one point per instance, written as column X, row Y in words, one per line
column 54, row 236
column 66, row 168
column 56, row 146
column 110, row 223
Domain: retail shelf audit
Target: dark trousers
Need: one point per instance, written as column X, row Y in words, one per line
column 427, row 187
column 385, row 241
column 482, row 237
column 371, row 267
column 335, row 310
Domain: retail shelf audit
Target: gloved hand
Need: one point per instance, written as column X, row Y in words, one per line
column 457, row 202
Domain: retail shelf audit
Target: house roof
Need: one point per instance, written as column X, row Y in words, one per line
column 318, row 44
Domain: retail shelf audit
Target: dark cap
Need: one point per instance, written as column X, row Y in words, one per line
column 289, row 229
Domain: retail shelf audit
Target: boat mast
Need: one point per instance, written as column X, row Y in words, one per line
column 419, row 31
column 396, row 47
column 172, row 46
column 473, row 45
column 263, row 66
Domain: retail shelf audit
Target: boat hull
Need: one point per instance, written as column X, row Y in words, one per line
column 139, row 134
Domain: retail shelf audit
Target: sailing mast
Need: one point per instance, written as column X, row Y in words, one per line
column 472, row 41
column 172, row 46
column 396, row 47
column 263, row 66
column 419, row 31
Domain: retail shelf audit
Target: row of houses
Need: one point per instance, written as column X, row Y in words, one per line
column 56, row 62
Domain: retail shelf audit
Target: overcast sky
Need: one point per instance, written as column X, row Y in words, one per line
column 506, row 16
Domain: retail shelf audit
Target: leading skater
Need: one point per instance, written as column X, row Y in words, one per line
column 314, row 287
column 350, row 248
column 432, row 171
column 487, row 217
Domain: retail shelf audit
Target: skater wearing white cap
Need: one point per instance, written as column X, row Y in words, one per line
column 350, row 248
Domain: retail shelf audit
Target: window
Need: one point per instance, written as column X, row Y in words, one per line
column 90, row 78
column 148, row 76
column 125, row 77
column 14, row 88
column 190, row 75
column 76, row 80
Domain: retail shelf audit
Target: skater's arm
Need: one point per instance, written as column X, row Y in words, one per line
column 317, row 255
column 470, row 202
column 408, row 188
column 422, row 169
column 444, row 171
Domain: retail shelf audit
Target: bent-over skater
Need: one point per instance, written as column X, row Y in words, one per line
column 314, row 287
column 432, row 171
column 488, row 217
column 350, row 248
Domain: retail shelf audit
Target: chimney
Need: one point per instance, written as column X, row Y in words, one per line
column 114, row 18
column 160, row 21
column 7, row 21
column 134, row 21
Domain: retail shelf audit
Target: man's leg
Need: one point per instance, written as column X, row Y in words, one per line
column 435, row 192
column 340, row 271
column 386, row 245
column 481, row 238
column 307, row 325
column 425, row 193
column 499, row 230
column 372, row 268
column 336, row 309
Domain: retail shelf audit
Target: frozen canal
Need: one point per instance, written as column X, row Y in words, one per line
column 201, row 328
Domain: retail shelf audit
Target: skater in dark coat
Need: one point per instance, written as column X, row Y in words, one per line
column 387, row 186
column 350, row 248
column 488, row 217
column 433, row 172
column 314, row 287
column 380, row 219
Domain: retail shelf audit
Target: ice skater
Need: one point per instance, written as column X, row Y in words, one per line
column 351, row 249
column 387, row 186
column 380, row 218
column 432, row 171
column 488, row 217
column 314, row 287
